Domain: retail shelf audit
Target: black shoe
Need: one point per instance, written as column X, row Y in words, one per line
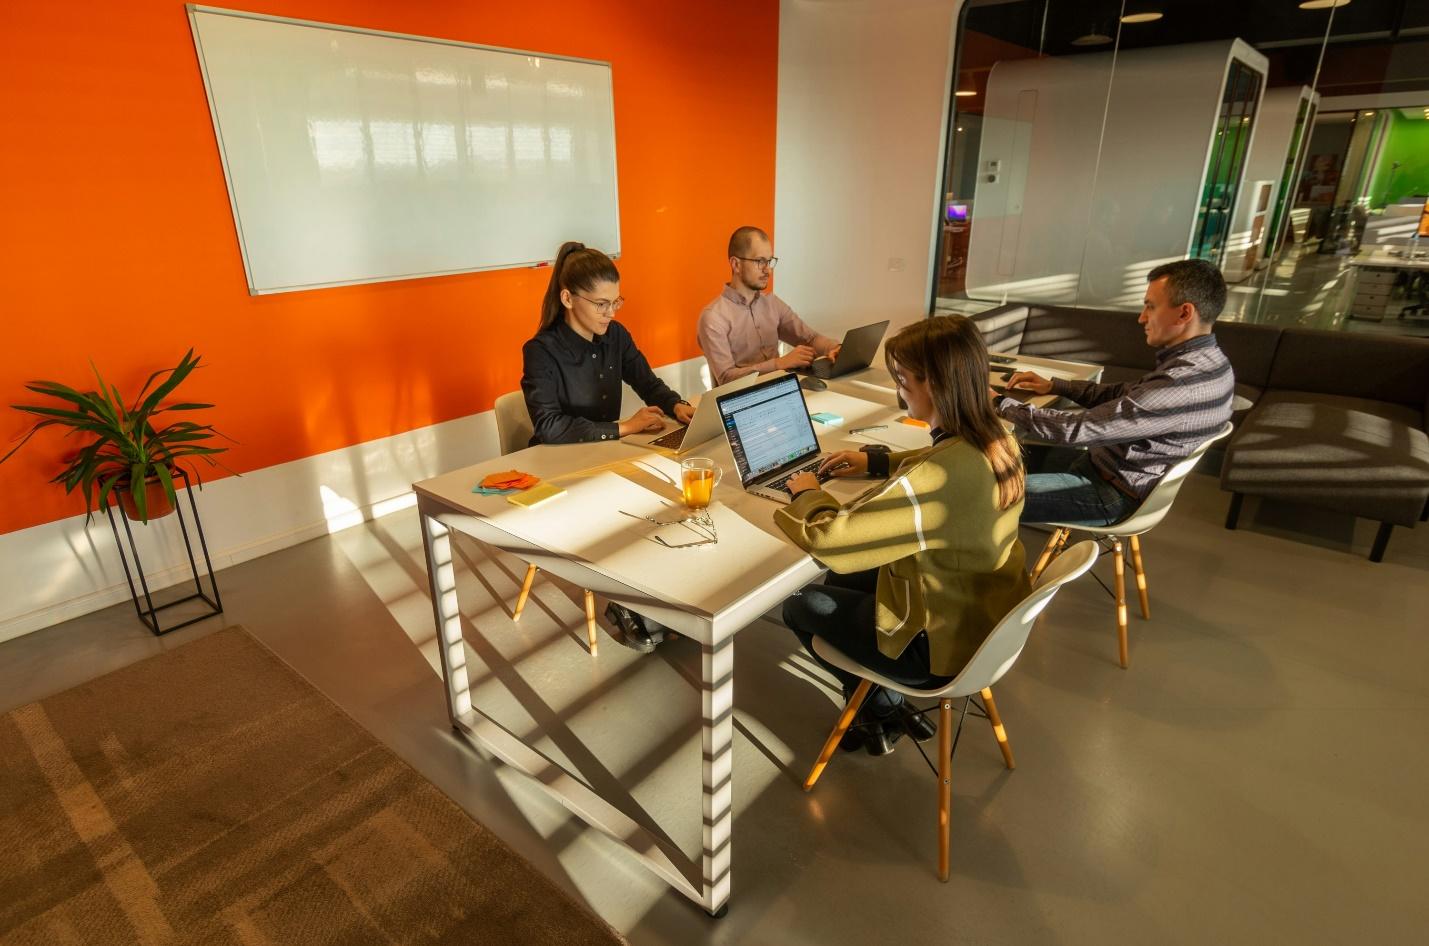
column 916, row 724
column 879, row 738
column 875, row 738
column 633, row 633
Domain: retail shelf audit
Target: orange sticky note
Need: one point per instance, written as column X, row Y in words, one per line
column 913, row 422
column 511, row 479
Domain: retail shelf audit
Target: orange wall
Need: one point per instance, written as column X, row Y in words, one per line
column 117, row 243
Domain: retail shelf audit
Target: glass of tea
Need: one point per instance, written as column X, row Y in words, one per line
column 698, row 478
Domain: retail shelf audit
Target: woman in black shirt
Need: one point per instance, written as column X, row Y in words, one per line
column 573, row 367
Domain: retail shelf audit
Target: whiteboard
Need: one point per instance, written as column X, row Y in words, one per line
column 355, row 156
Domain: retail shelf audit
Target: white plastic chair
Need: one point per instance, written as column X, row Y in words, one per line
column 1146, row 517
column 993, row 659
column 513, row 432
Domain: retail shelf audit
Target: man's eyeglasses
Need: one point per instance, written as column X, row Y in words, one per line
column 603, row 306
column 763, row 262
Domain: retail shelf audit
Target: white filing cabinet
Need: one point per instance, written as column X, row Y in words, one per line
column 1373, row 287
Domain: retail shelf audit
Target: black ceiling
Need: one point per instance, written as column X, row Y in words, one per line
column 1374, row 45
column 1051, row 25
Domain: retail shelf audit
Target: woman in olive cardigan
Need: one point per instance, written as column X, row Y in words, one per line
column 924, row 566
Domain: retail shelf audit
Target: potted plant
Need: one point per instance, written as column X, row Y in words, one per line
column 134, row 450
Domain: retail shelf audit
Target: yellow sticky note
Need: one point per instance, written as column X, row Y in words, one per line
column 536, row 495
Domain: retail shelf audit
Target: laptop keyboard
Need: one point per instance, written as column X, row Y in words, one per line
column 671, row 440
column 782, row 484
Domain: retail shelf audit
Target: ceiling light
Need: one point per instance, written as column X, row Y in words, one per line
column 1092, row 39
column 1323, row 4
column 1368, row 114
column 964, row 93
column 1149, row 16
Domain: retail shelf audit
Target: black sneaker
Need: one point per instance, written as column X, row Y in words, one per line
column 633, row 633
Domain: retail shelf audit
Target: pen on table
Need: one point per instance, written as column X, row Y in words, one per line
column 859, row 430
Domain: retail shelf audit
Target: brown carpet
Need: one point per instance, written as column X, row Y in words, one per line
column 210, row 795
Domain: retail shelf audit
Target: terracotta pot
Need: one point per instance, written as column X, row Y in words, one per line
column 156, row 501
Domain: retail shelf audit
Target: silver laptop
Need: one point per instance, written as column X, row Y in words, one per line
column 770, row 435
column 856, row 353
column 703, row 427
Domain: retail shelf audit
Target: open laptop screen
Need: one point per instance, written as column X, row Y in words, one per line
column 768, row 426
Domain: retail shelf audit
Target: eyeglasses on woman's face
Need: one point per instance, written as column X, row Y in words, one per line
column 603, row 307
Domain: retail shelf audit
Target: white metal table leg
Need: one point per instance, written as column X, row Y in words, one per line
column 717, row 738
column 436, row 539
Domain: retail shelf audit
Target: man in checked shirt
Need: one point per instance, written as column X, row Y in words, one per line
column 1132, row 433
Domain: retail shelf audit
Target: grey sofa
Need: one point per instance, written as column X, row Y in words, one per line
column 1330, row 419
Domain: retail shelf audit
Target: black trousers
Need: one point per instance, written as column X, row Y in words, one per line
column 840, row 611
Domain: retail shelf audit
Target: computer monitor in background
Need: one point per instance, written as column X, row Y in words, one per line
column 957, row 213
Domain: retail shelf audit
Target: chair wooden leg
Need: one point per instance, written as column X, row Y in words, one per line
column 998, row 729
column 525, row 593
column 844, row 721
column 1118, row 562
column 1140, row 573
column 945, row 785
column 1055, row 541
column 590, row 621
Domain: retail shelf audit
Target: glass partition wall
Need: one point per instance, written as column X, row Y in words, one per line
column 1091, row 141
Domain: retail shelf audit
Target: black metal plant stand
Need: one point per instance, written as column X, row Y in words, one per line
column 147, row 612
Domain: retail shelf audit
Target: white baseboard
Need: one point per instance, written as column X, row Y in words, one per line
column 61, row 570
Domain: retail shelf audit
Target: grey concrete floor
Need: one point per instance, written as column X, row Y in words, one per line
column 1256, row 776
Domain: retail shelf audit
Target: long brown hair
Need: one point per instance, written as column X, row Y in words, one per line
column 948, row 352
column 577, row 268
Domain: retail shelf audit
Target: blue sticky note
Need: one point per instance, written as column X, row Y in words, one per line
column 827, row 418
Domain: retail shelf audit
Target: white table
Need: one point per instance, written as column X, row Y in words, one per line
column 709, row 594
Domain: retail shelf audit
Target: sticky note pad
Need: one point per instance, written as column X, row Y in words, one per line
column 827, row 418
column 913, row 422
column 536, row 495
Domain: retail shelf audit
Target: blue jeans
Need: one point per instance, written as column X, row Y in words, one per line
column 841, row 612
column 1067, row 488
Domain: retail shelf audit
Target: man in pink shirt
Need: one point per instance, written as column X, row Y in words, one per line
column 741, row 329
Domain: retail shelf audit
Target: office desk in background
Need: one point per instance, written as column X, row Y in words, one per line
column 1376, row 275
column 594, row 538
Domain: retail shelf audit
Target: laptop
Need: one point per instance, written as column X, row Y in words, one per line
column 859, row 346
column 999, row 374
column 704, row 426
column 770, row 435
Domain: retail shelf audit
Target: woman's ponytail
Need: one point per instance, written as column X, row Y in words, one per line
column 551, row 307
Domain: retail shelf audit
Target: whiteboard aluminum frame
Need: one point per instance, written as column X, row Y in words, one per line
column 194, row 8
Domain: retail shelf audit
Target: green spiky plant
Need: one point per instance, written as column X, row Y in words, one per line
column 131, row 445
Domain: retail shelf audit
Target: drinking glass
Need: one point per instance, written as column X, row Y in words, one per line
column 698, row 478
